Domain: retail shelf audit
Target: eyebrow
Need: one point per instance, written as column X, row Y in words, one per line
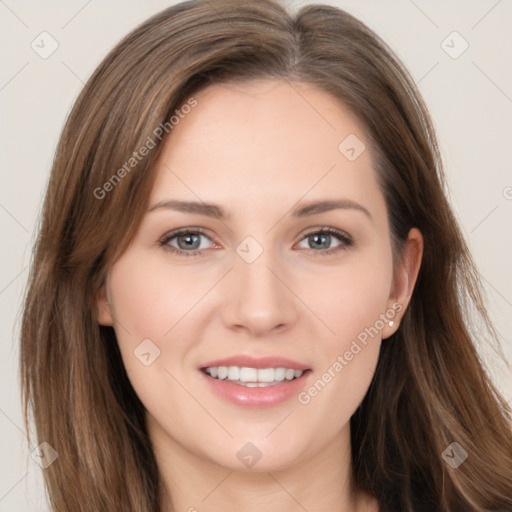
column 218, row 212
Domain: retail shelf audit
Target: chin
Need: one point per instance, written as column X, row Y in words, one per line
column 257, row 457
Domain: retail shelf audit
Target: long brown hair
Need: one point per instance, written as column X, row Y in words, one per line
column 430, row 388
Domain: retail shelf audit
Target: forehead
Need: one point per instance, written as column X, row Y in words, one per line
column 278, row 140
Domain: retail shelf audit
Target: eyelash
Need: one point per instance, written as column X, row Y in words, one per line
column 346, row 240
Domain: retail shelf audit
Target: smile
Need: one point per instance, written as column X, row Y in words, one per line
column 253, row 377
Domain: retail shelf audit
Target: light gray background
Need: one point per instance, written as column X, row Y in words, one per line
column 470, row 98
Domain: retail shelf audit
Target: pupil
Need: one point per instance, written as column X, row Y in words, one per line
column 316, row 237
column 188, row 237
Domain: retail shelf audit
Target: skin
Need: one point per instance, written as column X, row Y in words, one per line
column 258, row 149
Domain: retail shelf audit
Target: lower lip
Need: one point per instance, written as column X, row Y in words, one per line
column 269, row 396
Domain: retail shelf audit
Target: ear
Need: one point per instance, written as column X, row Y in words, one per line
column 103, row 307
column 404, row 279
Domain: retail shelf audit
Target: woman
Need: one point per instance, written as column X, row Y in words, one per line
column 257, row 370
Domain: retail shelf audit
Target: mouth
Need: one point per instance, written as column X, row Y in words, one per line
column 254, row 377
column 250, row 381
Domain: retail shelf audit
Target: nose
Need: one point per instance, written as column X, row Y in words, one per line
column 260, row 301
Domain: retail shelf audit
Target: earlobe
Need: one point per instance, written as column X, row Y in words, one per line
column 390, row 328
column 103, row 308
column 405, row 278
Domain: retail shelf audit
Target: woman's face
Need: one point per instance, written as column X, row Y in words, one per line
column 269, row 290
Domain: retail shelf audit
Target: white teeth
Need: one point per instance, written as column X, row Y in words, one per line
column 266, row 375
column 253, row 377
column 248, row 374
column 279, row 374
column 233, row 373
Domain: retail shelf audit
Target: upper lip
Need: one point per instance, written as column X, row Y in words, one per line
column 245, row 360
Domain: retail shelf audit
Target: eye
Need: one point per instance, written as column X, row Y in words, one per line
column 186, row 239
column 322, row 238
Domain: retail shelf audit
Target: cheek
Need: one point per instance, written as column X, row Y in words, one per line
column 141, row 315
column 145, row 305
column 154, row 305
column 354, row 304
column 352, row 299
column 146, row 299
